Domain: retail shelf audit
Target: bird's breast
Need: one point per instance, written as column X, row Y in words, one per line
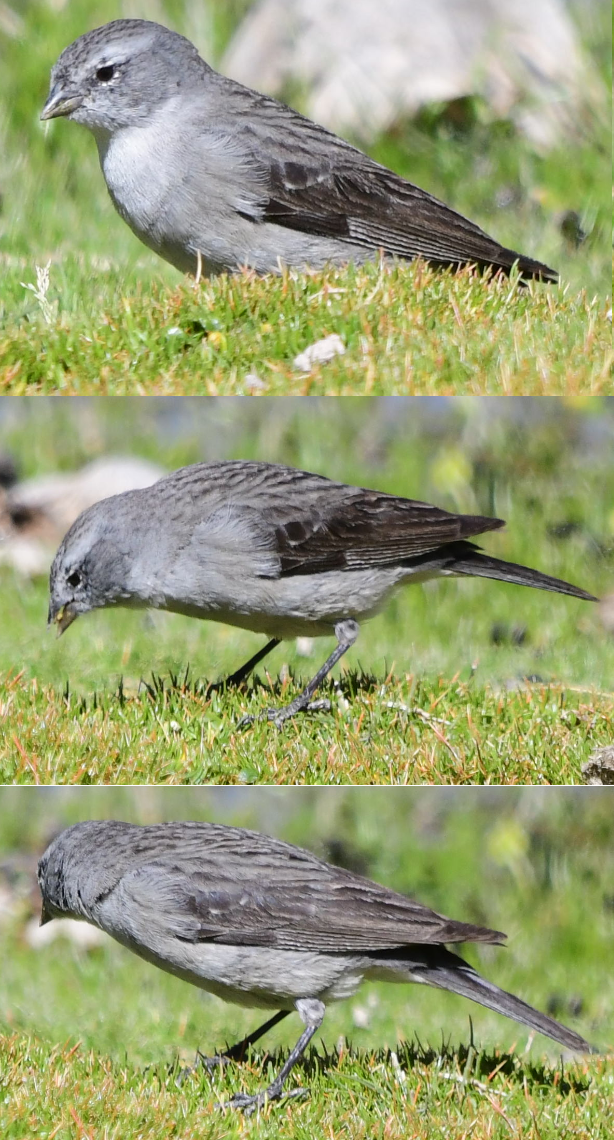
column 138, row 169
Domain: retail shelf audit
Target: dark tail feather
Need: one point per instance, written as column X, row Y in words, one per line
column 461, row 979
column 483, row 566
column 529, row 268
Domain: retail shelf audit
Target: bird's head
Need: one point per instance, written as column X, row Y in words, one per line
column 117, row 75
column 91, row 569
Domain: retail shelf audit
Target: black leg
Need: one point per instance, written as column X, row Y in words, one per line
column 237, row 1052
column 346, row 633
column 239, row 675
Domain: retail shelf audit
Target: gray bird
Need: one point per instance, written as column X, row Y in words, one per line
column 214, row 176
column 263, row 924
column 270, row 549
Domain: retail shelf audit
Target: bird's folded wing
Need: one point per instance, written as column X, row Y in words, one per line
column 294, row 522
column 327, row 913
column 312, row 181
column 364, row 204
column 368, row 529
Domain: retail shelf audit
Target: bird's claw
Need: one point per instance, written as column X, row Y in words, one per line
column 250, row 1103
column 246, row 721
column 208, row 1063
column 280, row 716
column 219, row 1061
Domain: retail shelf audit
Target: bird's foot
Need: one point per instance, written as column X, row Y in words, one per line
column 209, row 1063
column 280, row 716
column 219, row 1061
column 250, row 1104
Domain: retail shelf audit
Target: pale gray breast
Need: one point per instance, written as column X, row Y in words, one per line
column 141, row 172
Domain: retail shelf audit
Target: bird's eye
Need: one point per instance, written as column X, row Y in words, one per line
column 74, row 579
column 105, row 73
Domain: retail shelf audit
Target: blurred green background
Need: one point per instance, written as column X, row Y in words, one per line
column 536, row 863
column 555, row 205
column 544, row 465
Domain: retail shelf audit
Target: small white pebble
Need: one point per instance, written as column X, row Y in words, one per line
column 304, row 646
column 360, row 1016
column 319, row 353
column 174, row 331
column 253, row 383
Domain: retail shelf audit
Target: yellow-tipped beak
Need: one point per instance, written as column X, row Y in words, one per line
column 64, row 617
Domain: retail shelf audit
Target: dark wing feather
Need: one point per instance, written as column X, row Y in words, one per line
column 301, row 176
column 313, row 524
column 365, row 204
column 367, row 529
column 329, row 188
column 323, row 913
column 214, row 883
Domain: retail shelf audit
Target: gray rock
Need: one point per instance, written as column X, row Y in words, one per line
column 367, row 63
column 36, row 513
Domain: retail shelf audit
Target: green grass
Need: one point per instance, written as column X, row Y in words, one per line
column 357, row 1095
column 117, row 320
column 434, row 689
column 403, row 731
column 407, row 330
column 90, row 1042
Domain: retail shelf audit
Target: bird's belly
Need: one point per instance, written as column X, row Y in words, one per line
column 260, row 977
column 299, row 605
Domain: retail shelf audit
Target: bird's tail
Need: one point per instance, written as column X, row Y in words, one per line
column 480, row 565
column 460, row 978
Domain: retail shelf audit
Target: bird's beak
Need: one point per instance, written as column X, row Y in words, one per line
column 64, row 617
column 60, row 102
column 46, row 916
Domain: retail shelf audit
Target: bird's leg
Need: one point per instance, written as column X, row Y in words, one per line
column 346, row 633
column 311, row 1011
column 237, row 1052
column 239, row 675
